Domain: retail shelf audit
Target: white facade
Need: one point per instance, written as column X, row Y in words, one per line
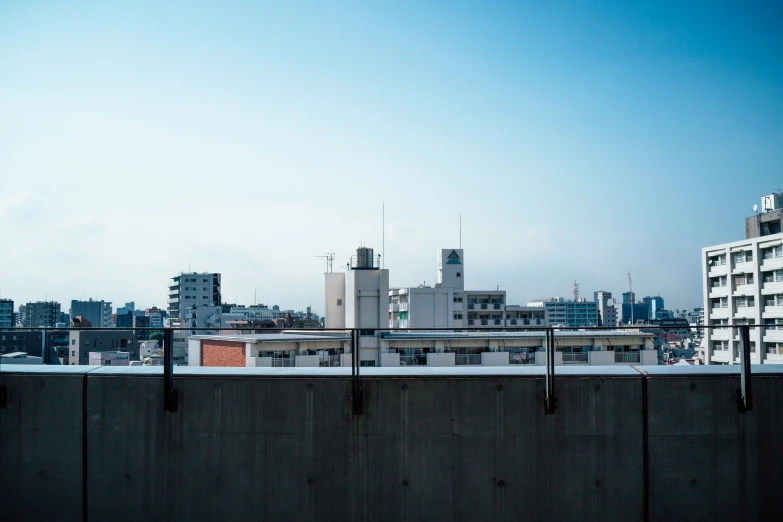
column 607, row 312
column 743, row 284
column 449, row 305
column 335, row 300
column 359, row 298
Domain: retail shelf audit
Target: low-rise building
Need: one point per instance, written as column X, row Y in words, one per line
column 84, row 341
column 594, row 348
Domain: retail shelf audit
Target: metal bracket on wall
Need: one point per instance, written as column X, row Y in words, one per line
column 357, row 394
column 745, row 393
column 550, row 401
column 170, row 397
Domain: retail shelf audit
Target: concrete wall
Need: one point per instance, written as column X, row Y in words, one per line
column 440, row 359
column 494, row 358
column 432, row 444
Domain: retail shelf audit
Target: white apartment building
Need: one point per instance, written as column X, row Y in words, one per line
column 188, row 290
column 448, row 305
column 743, row 284
column 607, row 312
column 359, row 298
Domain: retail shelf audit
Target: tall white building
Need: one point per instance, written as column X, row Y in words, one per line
column 607, row 312
column 359, row 298
column 189, row 290
column 743, row 284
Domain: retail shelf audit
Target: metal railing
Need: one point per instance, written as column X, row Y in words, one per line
column 173, row 345
column 627, row 357
column 522, row 358
column 413, row 360
column 466, row 359
column 575, row 358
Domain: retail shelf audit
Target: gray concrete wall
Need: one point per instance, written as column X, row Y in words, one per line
column 41, row 443
column 707, row 460
column 432, row 444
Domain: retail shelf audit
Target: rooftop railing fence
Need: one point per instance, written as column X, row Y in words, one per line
column 56, row 343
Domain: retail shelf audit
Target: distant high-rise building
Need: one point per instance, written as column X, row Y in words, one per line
column 188, row 290
column 7, row 313
column 39, row 314
column 576, row 314
column 629, row 297
column 654, row 306
column 155, row 317
column 98, row 313
column 607, row 313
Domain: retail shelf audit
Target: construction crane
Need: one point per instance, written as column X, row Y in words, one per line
column 630, row 295
column 329, row 258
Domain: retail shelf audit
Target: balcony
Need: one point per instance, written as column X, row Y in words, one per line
column 413, row 360
column 772, row 263
column 574, row 358
column 721, row 334
column 394, row 307
column 719, row 291
column 627, row 357
column 466, row 359
column 471, row 306
column 718, row 270
column 771, row 311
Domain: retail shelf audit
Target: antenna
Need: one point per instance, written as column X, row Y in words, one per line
column 383, row 235
column 329, row 258
column 576, row 291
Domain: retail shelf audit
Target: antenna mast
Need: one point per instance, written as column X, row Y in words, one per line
column 630, row 290
column 329, row 258
column 576, row 291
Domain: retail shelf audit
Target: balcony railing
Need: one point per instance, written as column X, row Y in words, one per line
column 283, row 362
column 413, row 360
column 574, row 358
column 522, row 358
column 627, row 357
column 465, row 359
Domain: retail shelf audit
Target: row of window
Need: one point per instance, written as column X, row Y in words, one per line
column 772, row 252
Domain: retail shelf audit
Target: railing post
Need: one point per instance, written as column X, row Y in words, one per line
column 745, row 393
column 550, row 401
column 357, row 397
column 170, row 402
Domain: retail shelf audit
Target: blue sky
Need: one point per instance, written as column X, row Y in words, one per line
column 577, row 140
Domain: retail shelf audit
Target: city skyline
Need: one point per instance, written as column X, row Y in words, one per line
column 576, row 144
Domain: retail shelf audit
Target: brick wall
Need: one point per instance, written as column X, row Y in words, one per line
column 222, row 353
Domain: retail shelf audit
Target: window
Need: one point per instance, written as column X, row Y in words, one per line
column 746, row 302
column 73, row 353
column 458, row 316
column 366, row 363
column 771, row 252
column 457, row 299
column 339, row 302
column 720, row 345
column 743, row 279
column 774, row 348
column 459, row 274
column 73, row 342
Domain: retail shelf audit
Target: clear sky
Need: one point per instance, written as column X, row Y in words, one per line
column 579, row 141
